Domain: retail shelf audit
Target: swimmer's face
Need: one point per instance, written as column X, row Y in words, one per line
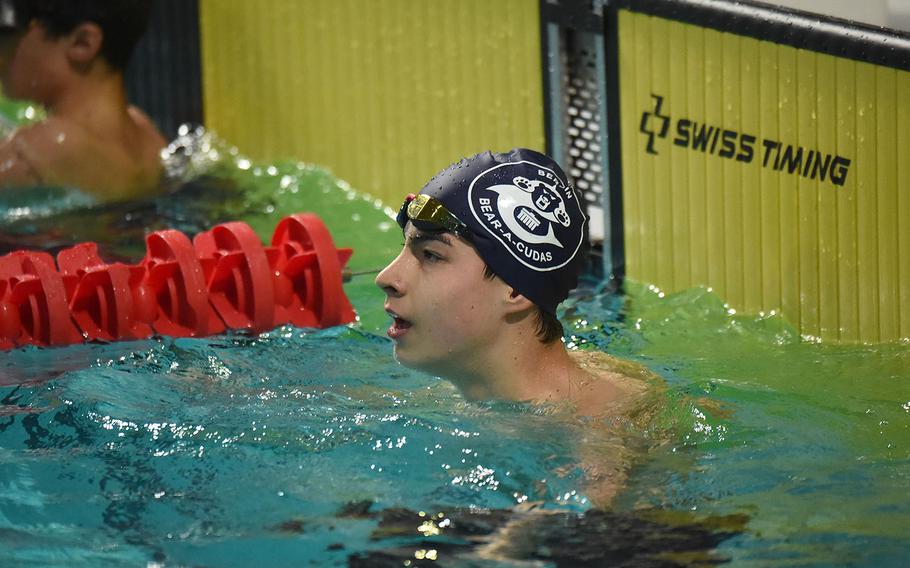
column 444, row 310
column 29, row 63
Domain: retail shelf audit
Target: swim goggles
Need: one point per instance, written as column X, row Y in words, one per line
column 427, row 209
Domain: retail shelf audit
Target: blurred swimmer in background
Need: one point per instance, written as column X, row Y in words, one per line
column 70, row 56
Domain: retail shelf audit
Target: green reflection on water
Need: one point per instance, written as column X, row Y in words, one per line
column 810, row 440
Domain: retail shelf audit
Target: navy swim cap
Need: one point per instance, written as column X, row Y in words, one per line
column 523, row 217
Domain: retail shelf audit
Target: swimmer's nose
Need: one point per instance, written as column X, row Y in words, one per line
column 389, row 279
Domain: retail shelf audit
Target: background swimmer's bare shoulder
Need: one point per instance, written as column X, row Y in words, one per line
column 617, row 389
column 15, row 168
column 28, row 155
column 62, row 152
column 46, row 144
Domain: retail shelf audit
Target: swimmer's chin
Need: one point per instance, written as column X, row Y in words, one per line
column 402, row 357
column 411, row 361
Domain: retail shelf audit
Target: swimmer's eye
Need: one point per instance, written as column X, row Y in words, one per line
column 431, row 256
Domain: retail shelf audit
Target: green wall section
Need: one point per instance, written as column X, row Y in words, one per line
column 384, row 94
column 768, row 233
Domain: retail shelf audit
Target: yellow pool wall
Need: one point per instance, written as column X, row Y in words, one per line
column 833, row 259
column 384, row 94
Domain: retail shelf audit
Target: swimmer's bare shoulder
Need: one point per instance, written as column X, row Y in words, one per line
column 618, row 390
column 46, row 147
column 623, row 397
column 20, row 155
column 61, row 152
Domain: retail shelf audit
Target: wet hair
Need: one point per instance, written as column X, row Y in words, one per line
column 121, row 21
column 549, row 328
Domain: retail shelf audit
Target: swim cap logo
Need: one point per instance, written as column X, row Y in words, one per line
column 531, row 211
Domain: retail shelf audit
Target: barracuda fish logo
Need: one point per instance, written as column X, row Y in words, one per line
column 530, row 210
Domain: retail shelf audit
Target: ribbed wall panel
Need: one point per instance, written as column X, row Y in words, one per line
column 681, row 214
column 903, row 205
column 383, row 93
column 714, row 174
column 847, row 219
column 833, row 259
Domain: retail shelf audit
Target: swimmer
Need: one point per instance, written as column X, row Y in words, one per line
column 70, row 56
column 473, row 297
column 474, row 291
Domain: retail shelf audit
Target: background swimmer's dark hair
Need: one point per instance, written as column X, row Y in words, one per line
column 121, row 21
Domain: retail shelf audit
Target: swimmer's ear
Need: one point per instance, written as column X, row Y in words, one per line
column 517, row 302
column 84, row 43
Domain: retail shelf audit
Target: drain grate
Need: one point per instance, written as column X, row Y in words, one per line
column 583, row 140
column 577, row 104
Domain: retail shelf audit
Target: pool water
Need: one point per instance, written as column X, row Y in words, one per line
column 812, row 441
column 313, row 447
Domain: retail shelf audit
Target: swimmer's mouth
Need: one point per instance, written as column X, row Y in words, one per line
column 399, row 327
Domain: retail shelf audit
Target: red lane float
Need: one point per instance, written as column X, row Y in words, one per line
column 223, row 279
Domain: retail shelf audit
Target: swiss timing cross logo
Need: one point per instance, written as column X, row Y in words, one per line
column 742, row 147
column 647, row 126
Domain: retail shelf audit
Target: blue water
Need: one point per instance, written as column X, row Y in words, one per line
column 306, row 447
column 199, row 450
